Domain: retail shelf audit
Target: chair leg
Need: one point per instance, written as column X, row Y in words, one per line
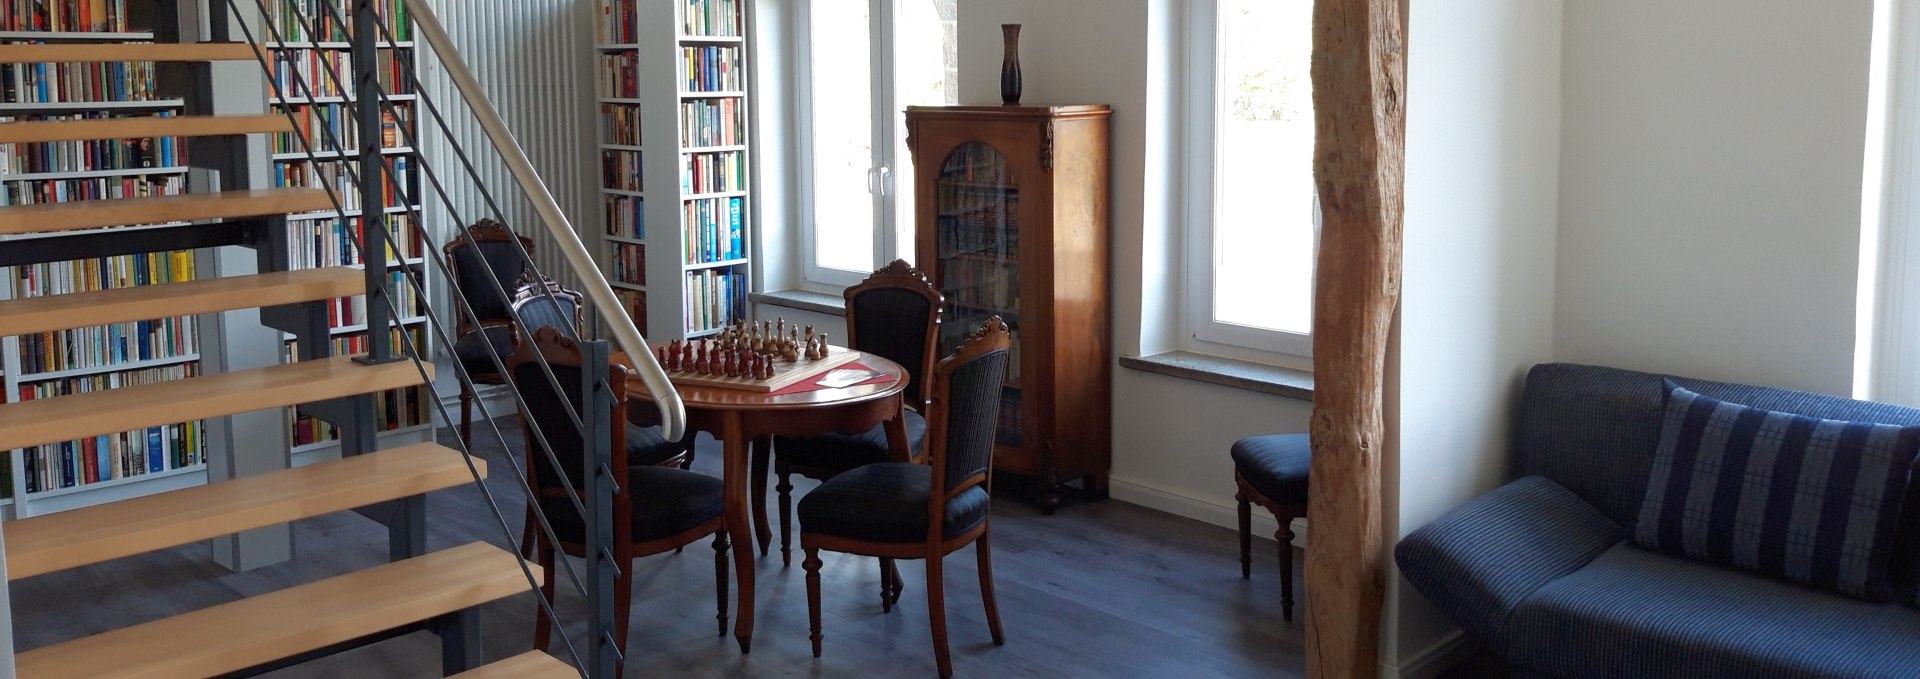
column 937, row 614
column 891, row 576
column 542, row 625
column 886, row 585
column 785, row 488
column 1285, row 536
column 761, row 452
column 720, row 576
column 812, row 565
column 984, row 551
column 1246, row 535
column 466, row 413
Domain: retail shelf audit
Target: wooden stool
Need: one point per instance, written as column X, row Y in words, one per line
column 1272, row 470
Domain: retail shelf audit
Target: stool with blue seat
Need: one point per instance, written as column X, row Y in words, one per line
column 1272, row 471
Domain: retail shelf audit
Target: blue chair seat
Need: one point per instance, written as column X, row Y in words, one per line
column 477, row 349
column 1276, row 465
column 841, row 452
column 666, row 501
column 646, row 447
column 886, row 502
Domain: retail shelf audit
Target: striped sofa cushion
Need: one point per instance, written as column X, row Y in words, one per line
column 1810, row 500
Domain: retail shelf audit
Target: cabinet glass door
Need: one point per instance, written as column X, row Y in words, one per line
column 978, row 236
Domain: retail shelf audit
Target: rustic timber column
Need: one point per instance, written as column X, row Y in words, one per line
column 1359, row 81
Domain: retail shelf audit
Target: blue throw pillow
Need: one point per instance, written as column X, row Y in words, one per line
column 1810, row 500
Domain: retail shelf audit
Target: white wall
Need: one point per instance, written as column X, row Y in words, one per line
column 1483, row 112
column 1710, row 193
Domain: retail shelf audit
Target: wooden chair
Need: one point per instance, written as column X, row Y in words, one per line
column 908, row 510
column 894, row 314
column 657, row 509
column 485, row 251
column 1272, row 471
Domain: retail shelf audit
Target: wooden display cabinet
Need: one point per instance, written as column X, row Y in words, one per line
column 1010, row 219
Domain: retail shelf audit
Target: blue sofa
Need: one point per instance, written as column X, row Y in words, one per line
column 1541, row 572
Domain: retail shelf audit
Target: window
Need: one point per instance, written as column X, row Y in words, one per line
column 1252, row 211
column 864, row 62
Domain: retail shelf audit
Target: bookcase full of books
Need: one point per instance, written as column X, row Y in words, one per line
column 673, row 96
column 98, row 469
column 313, row 77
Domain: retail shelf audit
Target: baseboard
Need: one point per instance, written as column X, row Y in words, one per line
column 1450, row 650
column 1225, row 516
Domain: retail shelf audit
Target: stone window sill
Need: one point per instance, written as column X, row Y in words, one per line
column 1265, row 379
column 817, row 302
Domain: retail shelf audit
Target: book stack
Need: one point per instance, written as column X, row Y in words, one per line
column 630, row 263
column 626, row 217
column 84, row 82
column 88, row 155
column 712, row 122
column 714, row 298
column 714, row 172
column 621, row 170
column 64, row 16
column 715, row 232
column 711, row 18
column 712, row 68
column 315, row 243
column 322, row 25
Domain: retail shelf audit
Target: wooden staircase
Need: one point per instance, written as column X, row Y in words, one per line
column 259, row 630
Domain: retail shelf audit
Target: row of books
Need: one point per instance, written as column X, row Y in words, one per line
column 626, row 217
column 979, row 282
column 87, row 384
column 347, row 311
column 330, row 128
column 620, row 170
column 713, row 172
column 310, row 21
column 711, row 17
column 74, row 16
column 95, row 459
column 314, row 243
column 712, row 122
column 356, row 343
column 620, row 124
column 630, row 263
column 32, row 192
column 614, row 24
column 104, row 346
column 310, row 72
column 395, row 409
column 715, row 298
column 89, row 155
column 977, row 220
column 635, row 302
column 77, row 82
column 99, row 273
column 712, row 68
column 338, row 176
column 618, row 76
column 715, row 230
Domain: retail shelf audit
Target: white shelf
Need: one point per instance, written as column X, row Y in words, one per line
column 331, row 45
column 90, row 105
column 92, row 174
column 616, row 47
column 713, row 39
column 717, row 94
column 296, row 101
column 716, row 265
column 624, row 192
column 712, row 149
column 627, row 286
column 76, row 35
column 309, row 448
column 101, row 370
column 722, row 194
column 624, row 239
column 621, row 147
column 335, row 214
column 115, row 483
column 618, row 100
column 362, row 327
column 59, row 234
column 337, row 155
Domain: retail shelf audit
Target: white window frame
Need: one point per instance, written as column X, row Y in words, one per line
column 889, row 156
column 1201, row 332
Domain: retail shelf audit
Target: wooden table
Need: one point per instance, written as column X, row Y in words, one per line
column 737, row 417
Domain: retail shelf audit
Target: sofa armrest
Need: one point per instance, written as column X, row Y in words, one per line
column 1480, row 561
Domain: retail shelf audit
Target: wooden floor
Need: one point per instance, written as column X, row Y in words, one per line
column 1098, row 590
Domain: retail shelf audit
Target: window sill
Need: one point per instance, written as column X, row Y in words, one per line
column 818, row 302
column 1265, row 379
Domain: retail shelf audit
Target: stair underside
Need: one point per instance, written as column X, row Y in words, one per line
column 40, row 421
column 141, row 127
column 529, row 665
column 44, row 544
column 145, row 302
column 90, row 214
column 256, row 630
column 184, row 52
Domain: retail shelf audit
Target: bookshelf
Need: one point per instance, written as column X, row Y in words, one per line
column 675, row 156
column 307, row 52
column 99, row 469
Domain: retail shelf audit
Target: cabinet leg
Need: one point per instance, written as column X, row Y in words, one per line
column 1094, row 486
column 1050, row 499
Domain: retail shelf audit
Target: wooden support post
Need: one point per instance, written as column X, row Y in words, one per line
column 1359, row 85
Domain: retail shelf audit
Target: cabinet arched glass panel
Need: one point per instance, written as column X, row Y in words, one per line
column 977, row 212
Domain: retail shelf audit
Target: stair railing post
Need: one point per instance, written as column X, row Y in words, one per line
column 373, row 178
column 597, row 404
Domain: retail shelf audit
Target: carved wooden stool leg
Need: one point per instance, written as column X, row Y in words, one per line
column 886, row 585
column 785, row 488
column 1285, row 536
column 812, row 565
column 720, row 576
column 1246, row 535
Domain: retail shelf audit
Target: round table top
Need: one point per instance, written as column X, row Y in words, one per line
column 719, row 398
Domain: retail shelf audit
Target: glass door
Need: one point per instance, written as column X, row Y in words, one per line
column 977, row 228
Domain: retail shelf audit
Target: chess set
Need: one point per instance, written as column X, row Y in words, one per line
column 766, row 356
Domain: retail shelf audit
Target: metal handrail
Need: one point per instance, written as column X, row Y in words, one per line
column 673, row 411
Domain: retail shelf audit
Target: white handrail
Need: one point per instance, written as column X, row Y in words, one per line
column 673, row 412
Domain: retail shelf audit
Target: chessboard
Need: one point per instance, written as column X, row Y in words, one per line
column 760, row 357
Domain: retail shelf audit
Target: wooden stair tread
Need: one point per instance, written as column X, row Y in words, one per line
column 44, row 544
column 169, row 52
column 143, row 126
column 187, row 298
column 89, row 214
column 249, row 632
column 529, row 665
column 52, row 420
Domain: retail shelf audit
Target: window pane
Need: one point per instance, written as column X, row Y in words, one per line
column 1264, row 200
column 926, row 73
column 842, row 93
